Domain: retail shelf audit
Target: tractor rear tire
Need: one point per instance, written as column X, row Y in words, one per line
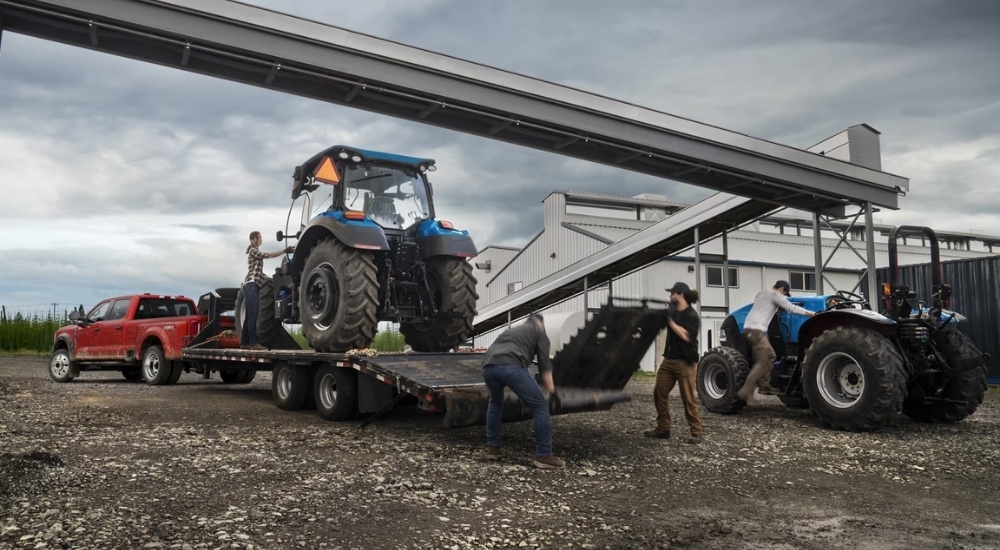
column 291, row 386
column 453, row 287
column 338, row 297
column 335, row 390
column 721, row 372
column 853, row 379
column 968, row 386
column 268, row 326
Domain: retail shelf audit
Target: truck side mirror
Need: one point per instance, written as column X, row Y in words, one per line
column 74, row 316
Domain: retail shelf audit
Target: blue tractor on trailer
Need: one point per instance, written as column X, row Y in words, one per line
column 856, row 368
column 370, row 249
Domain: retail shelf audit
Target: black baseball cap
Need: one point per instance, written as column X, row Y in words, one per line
column 680, row 288
column 783, row 285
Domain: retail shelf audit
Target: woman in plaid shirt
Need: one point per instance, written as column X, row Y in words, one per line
column 251, row 289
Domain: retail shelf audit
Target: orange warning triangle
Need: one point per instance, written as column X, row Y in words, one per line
column 326, row 172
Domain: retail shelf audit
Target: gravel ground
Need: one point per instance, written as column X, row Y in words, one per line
column 105, row 463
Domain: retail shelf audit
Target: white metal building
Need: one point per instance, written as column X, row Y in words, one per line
column 781, row 246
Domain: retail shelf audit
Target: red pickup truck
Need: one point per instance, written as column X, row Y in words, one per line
column 142, row 335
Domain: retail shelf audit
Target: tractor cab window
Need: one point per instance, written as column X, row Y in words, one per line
column 393, row 197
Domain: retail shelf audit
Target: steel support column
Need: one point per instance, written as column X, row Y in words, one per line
column 697, row 267
column 725, row 267
column 586, row 301
column 818, row 253
column 872, row 266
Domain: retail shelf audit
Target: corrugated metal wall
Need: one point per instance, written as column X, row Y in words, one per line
column 975, row 286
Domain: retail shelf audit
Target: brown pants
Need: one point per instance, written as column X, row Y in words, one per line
column 682, row 373
column 763, row 355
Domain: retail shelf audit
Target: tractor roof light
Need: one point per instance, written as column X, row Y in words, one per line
column 446, row 224
column 356, row 158
column 354, row 215
column 343, row 155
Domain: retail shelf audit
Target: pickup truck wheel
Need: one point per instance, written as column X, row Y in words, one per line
column 61, row 366
column 453, row 288
column 176, row 369
column 268, row 332
column 338, row 297
column 132, row 373
column 336, row 391
column 156, row 370
column 290, row 386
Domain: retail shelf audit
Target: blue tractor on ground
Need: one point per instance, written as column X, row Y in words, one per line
column 369, row 248
column 856, row 368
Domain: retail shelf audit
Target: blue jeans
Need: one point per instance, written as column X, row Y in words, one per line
column 251, row 303
column 520, row 381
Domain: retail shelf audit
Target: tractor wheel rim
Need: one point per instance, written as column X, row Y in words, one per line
column 321, row 294
column 60, row 365
column 328, row 391
column 151, row 365
column 284, row 383
column 840, row 380
column 716, row 381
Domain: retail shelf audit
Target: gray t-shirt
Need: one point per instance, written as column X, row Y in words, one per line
column 519, row 346
column 764, row 305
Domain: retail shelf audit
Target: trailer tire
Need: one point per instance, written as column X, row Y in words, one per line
column 290, row 386
column 338, row 297
column 721, row 372
column 268, row 327
column 237, row 376
column 964, row 390
column 156, row 370
column 453, row 287
column 336, row 392
column 61, row 366
column 853, row 379
column 132, row 373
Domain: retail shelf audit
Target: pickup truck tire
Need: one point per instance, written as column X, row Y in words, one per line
column 176, row 369
column 290, row 386
column 336, row 392
column 453, row 287
column 268, row 327
column 61, row 366
column 338, row 297
column 132, row 373
column 156, row 370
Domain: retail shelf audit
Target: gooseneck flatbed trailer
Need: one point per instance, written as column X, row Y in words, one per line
column 590, row 372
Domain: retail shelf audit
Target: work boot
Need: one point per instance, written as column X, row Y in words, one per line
column 694, row 440
column 258, row 347
column 764, row 387
column 549, row 462
column 492, row 453
column 657, row 433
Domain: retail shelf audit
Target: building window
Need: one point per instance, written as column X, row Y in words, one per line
column 802, row 280
column 713, row 276
column 514, row 287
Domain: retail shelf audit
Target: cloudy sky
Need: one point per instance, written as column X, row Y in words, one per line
column 119, row 176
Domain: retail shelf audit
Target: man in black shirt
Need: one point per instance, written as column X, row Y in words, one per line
column 680, row 363
column 506, row 365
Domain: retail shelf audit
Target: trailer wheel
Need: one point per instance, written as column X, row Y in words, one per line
column 268, row 326
column 963, row 392
column 721, row 372
column 338, row 297
column 237, row 376
column 853, row 379
column 453, row 287
column 156, row 370
column 290, row 386
column 132, row 373
column 61, row 366
column 336, row 391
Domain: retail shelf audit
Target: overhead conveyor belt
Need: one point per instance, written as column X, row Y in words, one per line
column 712, row 216
column 256, row 46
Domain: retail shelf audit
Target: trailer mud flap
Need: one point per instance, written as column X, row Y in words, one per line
column 467, row 407
column 607, row 351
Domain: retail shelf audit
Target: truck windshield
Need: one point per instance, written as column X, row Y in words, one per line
column 388, row 195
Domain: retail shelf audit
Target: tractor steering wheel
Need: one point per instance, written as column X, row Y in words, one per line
column 848, row 299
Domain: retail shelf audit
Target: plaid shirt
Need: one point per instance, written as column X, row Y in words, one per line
column 255, row 265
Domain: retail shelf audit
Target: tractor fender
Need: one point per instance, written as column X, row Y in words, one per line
column 437, row 239
column 827, row 320
column 355, row 234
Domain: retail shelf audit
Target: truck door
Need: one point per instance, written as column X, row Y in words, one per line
column 111, row 340
column 88, row 337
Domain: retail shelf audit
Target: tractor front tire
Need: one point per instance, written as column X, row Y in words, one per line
column 963, row 392
column 853, row 379
column 268, row 326
column 721, row 372
column 338, row 297
column 239, row 314
column 453, row 287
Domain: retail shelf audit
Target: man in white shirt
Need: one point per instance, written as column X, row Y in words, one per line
column 765, row 304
